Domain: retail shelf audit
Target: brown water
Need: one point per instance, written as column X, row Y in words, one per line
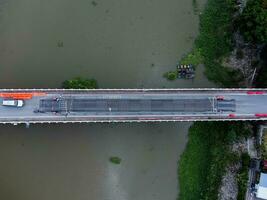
column 121, row 43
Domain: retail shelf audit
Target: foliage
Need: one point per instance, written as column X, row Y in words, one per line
column 115, row 160
column 242, row 177
column 80, row 83
column 263, row 146
column 261, row 79
column 245, row 160
column 195, row 58
column 202, row 164
column 172, row 75
column 215, row 41
column 253, row 21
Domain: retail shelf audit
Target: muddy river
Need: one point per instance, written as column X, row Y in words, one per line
column 122, row 44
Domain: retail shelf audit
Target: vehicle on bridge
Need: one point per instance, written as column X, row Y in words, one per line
column 13, row 102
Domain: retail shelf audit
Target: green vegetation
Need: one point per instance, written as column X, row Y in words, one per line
column 80, row 83
column 264, row 145
column 261, row 79
column 115, row 160
column 215, row 41
column 242, row 177
column 195, row 58
column 203, row 162
column 253, row 21
column 172, row 75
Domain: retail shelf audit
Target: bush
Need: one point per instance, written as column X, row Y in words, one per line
column 253, row 21
column 80, row 83
column 245, row 160
column 203, row 162
column 242, row 177
column 171, row 75
column 115, row 160
column 242, row 180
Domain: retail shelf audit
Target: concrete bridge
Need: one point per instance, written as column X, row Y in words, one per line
column 133, row 105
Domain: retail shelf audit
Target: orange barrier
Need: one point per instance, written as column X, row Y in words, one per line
column 20, row 95
column 39, row 94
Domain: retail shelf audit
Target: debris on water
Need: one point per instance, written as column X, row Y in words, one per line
column 94, row 3
column 60, row 43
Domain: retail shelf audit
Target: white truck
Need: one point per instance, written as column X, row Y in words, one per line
column 13, row 102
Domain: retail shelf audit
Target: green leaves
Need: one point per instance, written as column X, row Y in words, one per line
column 253, row 21
column 80, row 83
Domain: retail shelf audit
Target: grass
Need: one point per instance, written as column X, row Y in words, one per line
column 203, row 162
column 115, row 160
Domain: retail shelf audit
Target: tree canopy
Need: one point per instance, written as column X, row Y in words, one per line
column 253, row 21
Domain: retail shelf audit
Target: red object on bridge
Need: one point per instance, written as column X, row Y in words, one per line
column 21, row 95
column 255, row 92
column 220, row 97
column 261, row 114
column 232, row 115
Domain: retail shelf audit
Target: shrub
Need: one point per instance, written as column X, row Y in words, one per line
column 115, row 160
column 203, row 162
column 80, row 83
column 245, row 160
column 253, row 21
column 171, row 75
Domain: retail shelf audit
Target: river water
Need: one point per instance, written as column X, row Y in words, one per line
column 122, row 44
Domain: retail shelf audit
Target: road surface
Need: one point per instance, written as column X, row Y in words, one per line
column 130, row 105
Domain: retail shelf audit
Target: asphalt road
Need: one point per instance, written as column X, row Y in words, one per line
column 137, row 105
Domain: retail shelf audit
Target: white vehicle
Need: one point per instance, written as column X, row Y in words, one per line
column 13, row 102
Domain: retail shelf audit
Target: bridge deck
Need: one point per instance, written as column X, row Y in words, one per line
column 125, row 105
column 135, row 105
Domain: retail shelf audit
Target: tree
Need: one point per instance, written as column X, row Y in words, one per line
column 80, row 83
column 253, row 21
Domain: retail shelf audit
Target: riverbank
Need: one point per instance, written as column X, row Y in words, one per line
column 215, row 42
column 207, row 154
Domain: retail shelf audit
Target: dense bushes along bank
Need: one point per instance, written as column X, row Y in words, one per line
column 203, row 162
column 207, row 153
column 215, row 42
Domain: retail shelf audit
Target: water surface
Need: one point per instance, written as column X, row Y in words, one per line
column 121, row 43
